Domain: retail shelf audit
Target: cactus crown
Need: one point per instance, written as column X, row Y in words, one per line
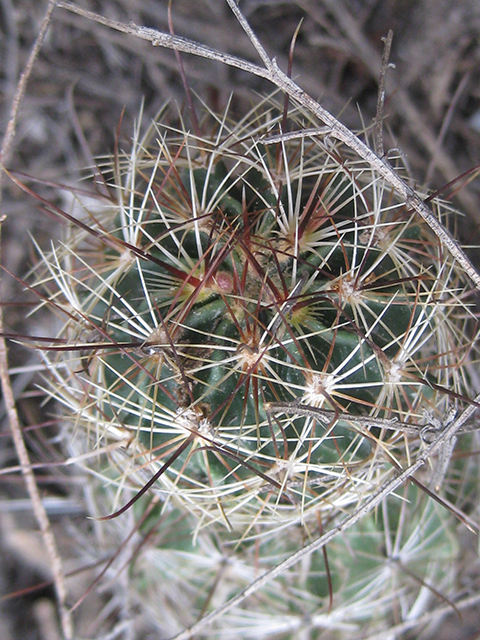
column 225, row 275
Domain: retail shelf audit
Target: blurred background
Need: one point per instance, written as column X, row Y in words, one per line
column 88, row 85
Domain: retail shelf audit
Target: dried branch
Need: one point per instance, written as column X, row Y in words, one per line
column 168, row 41
column 334, row 128
column 19, row 442
column 385, row 490
column 381, row 95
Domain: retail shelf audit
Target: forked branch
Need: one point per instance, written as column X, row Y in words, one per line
column 385, row 490
column 333, row 127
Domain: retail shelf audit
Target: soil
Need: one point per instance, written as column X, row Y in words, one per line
column 85, row 91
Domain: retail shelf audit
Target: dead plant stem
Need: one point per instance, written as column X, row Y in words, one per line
column 375, row 500
column 334, row 128
column 19, row 442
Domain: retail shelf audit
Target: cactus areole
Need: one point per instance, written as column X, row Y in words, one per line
column 225, row 274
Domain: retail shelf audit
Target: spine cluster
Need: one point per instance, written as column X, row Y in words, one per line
column 258, row 335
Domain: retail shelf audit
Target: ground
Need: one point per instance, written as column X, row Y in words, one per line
column 88, row 82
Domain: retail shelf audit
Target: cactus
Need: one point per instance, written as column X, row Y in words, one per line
column 257, row 334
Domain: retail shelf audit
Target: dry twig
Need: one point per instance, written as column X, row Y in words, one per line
column 333, row 127
column 369, row 505
column 22, row 453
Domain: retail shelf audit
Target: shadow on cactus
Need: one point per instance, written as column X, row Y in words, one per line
column 222, row 274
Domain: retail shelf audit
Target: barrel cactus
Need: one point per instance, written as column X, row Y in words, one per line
column 255, row 336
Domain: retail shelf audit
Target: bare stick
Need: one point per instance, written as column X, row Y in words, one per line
column 385, row 490
column 358, row 423
column 334, row 128
column 19, row 442
column 168, row 41
column 327, row 416
column 6, row 149
column 445, row 124
column 342, row 133
column 381, row 95
column 412, row 200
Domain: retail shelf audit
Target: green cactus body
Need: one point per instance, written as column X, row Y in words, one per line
column 225, row 275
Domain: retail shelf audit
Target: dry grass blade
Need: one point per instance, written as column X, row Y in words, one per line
column 23, row 456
